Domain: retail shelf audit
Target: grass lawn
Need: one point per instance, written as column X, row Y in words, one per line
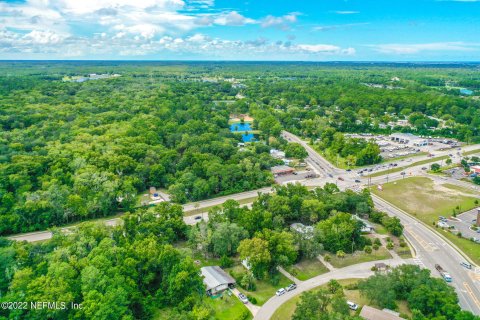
column 307, row 269
column 420, row 197
column 470, row 248
column 471, row 152
column 228, row 308
column 286, row 310
column 359, row 257
column 265, row 290
column 427, row 201
column 401, row 168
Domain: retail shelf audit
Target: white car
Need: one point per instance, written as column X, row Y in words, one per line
column 352, row 305
column 280, row 292
column 466, row 265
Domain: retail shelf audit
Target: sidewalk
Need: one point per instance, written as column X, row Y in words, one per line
column 288, row 275
column 326, row 264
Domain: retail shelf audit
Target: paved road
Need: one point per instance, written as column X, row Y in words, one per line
column 360, row 271
column 432, row 249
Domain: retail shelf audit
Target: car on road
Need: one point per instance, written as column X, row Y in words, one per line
column 466, row 265
column 348, row 170
column 424, row 168
column 243, row 298
column 198, row 218
column 352, row 305
column 357, row 181
column 330, row 175
column 291, row 287
column 280, row 292
column 403, row 173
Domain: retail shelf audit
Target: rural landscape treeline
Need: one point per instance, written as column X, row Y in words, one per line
column 76, row 146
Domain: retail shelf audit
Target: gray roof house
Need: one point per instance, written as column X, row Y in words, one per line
column 216, row 280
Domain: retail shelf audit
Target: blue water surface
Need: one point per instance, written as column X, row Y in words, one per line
column 240, row 127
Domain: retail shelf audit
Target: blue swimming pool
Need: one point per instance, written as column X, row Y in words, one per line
column 248, row 137
column 234, row 127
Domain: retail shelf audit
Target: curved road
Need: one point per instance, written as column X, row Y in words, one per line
column 430, row 247
column 361, row 270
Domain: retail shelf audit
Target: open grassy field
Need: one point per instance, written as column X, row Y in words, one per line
column 359, row 257
column 307, row 269
column 426, row 200
column 286, row 310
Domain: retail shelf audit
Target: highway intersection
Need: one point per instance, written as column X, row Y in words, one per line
column 429, row 246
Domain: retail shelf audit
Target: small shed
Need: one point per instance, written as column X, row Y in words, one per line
column 216, row 280
column 381, row 267
column 370, row 313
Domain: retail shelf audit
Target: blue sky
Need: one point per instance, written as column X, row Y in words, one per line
column 317, row 30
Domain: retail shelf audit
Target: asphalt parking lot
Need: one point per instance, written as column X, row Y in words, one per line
column 464, row 222
column 300, row 175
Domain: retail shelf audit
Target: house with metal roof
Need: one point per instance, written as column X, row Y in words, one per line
column 216, row 280
column 370, row 313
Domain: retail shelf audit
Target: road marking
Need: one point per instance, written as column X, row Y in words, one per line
column 419, row 263
column 427, row 246
column 470, row 292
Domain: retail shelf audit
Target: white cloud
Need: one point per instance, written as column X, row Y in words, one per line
column 232, row 18
column 420, row 47
column 347, row 12
column 325, row 48
column 339, row 26
column 282, row 22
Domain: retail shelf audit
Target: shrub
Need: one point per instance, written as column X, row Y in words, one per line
column 327, row 258
column 252, row 299
column 368, row 249
column 226, row 262
column 375, row 247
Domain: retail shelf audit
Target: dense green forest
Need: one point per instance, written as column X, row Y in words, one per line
column 142, row 269
column 71, row 151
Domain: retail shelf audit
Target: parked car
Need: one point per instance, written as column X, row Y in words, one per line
column 198, row 218
column 424, row 168
column 341, row 179
column 357, row 181
column 280, row 292
column 466, row 265
column 348, row 170
column 291, row 287
column 352, row 305
column 243, row 298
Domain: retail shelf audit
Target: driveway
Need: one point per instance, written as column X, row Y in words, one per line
column 361, row 270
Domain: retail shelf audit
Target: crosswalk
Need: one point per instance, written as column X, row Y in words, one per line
column 419, row 263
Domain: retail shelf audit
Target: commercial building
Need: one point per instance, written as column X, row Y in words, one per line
column 408, row 138
column 216, row 280
column 370, row 313
column 475, row 169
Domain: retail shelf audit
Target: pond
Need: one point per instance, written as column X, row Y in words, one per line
column 466, row 92
column 235, row 127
